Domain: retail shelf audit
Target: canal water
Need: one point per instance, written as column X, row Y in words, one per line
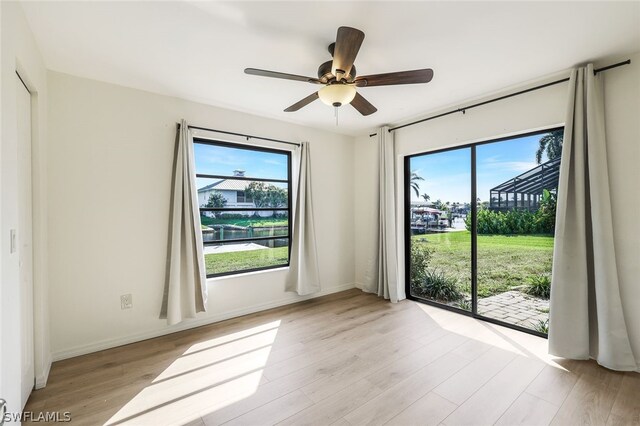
column 222, row 234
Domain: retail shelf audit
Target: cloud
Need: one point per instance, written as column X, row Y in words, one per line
column 227, row 160
column 494, row 163
column 273, row 162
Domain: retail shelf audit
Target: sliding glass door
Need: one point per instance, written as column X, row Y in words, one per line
column 479, row 228
column 440, row 243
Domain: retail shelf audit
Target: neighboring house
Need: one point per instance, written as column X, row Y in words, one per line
column 233, row 190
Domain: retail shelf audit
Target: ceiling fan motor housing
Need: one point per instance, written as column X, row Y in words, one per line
column 325, row 75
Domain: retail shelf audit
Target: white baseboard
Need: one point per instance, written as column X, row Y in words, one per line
column 41, row 380
column 112, row 343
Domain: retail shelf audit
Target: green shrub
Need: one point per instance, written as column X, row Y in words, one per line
column 511, row 222
column 520, row 222
column 539, row 286
column 231, row 216
column 546, row 214
column 542, row 326
column 216, row 199
column 517, row 222
column 465, row 305
column 420, row 257
column 437, row 286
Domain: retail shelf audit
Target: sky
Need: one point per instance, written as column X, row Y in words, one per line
column 219, row 160
column 448, row 174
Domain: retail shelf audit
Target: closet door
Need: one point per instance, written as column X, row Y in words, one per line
column 24, row 237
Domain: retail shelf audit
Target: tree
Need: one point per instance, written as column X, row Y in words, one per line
column 426, row 197
column 216, row 200
column 266, row 195
column 276, row 197
column 414, row 183
column 257, row 191
column 552, row 144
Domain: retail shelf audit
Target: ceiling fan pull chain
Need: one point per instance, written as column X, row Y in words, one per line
column 335, row 109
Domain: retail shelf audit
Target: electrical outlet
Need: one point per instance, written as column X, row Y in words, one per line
column 126, row 301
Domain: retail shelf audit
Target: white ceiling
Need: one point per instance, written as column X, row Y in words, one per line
column 198, row 50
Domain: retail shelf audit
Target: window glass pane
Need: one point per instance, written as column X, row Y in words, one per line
column 238, row 257
column 246, row 209
column 231, row 225
column 227, row 161
column 515, row 229
column 440, row 245
column 230, row 193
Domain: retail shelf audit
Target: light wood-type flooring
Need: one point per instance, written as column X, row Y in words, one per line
column 345, row 359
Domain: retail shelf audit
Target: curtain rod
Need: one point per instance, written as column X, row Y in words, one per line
column 542, row 86
column 241, row 134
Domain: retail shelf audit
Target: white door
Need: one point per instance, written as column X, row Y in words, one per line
column 24, row 237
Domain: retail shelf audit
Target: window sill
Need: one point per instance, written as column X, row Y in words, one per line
column 211, row 280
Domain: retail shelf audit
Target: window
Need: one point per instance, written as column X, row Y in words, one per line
column 479, row 231
column 242, row 197
column 245, row 205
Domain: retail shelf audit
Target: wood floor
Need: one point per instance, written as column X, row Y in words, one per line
column 344, row 359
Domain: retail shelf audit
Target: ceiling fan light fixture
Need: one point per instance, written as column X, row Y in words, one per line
column 337, row 94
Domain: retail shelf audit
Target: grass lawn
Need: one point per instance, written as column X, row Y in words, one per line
column 241, row 260
column 504, row 261
column 248, row 221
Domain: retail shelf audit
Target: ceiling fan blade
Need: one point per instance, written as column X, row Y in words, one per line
column 303, row 102
column 348, row 42
column 392, row 78
column 282, row 75
column 363, row 106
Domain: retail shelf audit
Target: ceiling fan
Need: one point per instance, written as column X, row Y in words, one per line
column 339, row 76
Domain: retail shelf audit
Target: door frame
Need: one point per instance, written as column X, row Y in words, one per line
column 30, row 219
column 474, row 227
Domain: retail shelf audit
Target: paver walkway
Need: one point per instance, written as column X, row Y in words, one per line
column 515, row 307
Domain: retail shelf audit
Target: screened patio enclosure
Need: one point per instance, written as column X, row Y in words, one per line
column 525, row 190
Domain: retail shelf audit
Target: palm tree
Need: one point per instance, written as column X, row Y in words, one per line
column 552, row 144
column 414, row 183
column 426, row 197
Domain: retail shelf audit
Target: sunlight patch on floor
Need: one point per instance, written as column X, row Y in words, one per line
column 500, row 337
column 209, row 375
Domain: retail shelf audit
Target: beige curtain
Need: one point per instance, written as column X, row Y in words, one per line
column 586, row 316
column 303, row 276
column 387, row 282
column 185, row 291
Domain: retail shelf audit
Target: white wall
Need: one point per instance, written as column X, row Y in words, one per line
column 20, row 53
column 536, row 110
column 622, row 120
column 110, row 163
